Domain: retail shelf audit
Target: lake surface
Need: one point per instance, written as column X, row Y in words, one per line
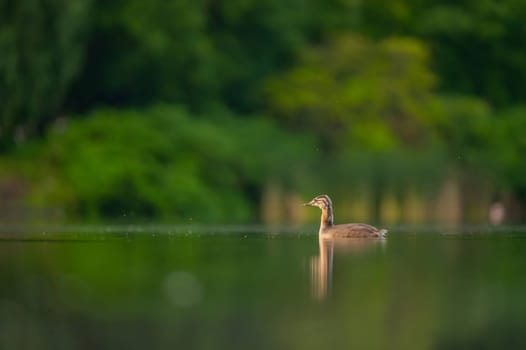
column 242, row 288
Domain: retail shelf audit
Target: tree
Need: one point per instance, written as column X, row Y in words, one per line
column 476, row 45
column 161, row 162
column 196, row 53
column 42, row 47
column 359, row 93
column 509, row 149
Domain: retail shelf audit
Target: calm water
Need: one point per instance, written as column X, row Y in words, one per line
column 149, row 288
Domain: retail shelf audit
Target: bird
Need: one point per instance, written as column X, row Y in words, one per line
column 328, row 229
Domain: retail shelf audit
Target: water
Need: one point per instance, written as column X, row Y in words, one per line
column 138, row 288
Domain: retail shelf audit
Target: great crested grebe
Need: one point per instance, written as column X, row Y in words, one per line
column 328, row 229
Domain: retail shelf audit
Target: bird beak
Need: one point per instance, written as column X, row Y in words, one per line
column 309, row 204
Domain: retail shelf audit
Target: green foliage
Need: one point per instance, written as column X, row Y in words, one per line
column 378, row 85
column 161, row 162
column 41, row 52
column 510, row 148
column 464, row 128
column 192, row 52
column 359, row 93
column 476, row 45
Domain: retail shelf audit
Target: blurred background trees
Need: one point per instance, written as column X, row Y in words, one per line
column 407, row 112
column 359, row 94
column 42, row 51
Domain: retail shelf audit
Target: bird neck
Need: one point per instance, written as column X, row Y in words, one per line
column 327, row 219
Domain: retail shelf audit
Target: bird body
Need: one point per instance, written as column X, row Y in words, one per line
column 328, row 229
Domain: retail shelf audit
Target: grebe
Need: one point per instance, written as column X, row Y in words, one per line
column 328, row 229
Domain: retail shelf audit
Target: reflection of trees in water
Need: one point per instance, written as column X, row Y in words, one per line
column 321, row 265
column 499, row 334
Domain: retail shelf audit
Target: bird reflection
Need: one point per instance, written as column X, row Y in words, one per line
column 321, row 265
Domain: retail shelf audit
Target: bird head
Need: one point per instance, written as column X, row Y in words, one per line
column 322, row 201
